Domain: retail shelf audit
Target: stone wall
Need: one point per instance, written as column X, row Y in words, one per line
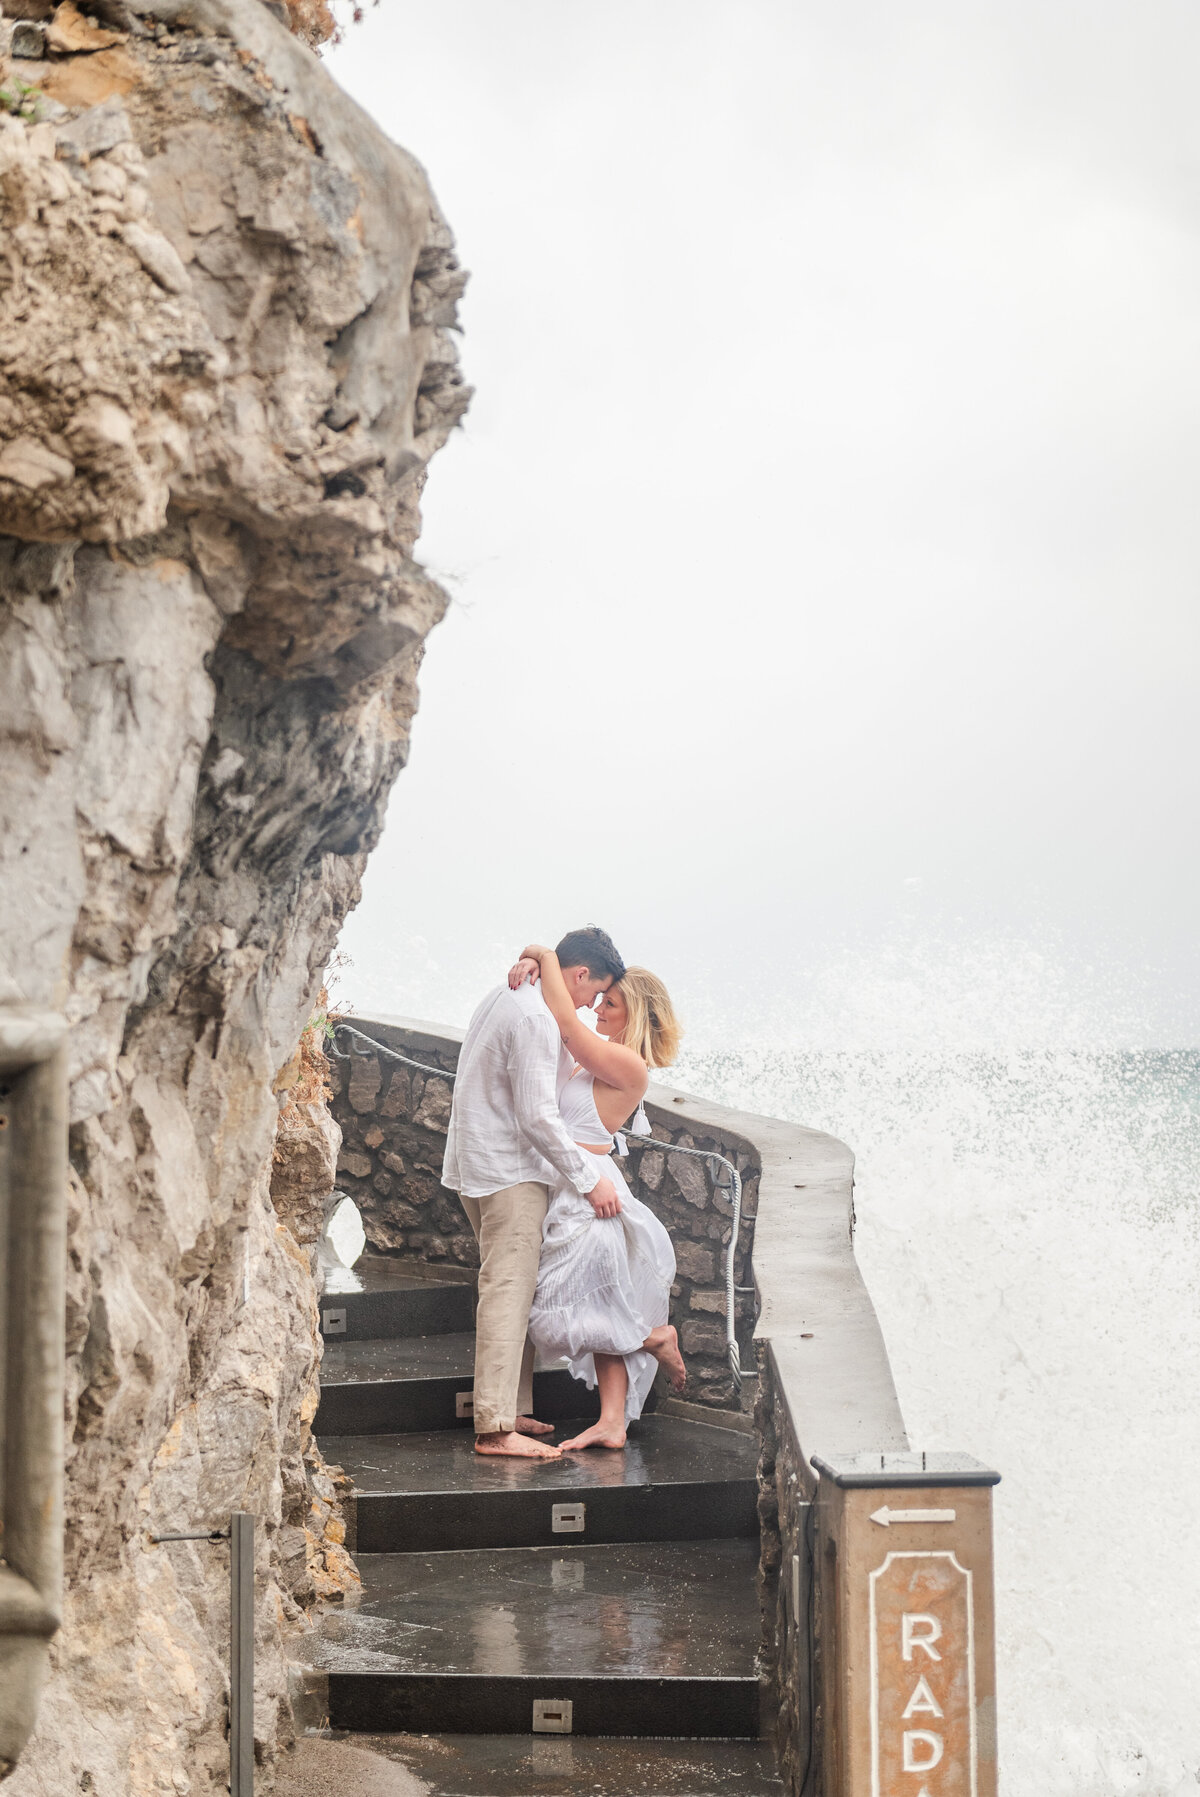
column 683, row 1192
column 226, row 362
column 394, row 1120
column 791, row 1629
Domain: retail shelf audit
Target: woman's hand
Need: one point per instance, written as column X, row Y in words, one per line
column 527, row 968
column 603, row 1199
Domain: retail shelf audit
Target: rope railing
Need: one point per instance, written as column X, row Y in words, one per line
column 731, row 1184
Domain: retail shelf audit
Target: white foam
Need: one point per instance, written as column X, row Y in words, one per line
column 1027, row 1227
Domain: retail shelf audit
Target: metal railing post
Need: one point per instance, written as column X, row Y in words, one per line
column 241, row 1654
column 240, row 1536
column 33, row 1259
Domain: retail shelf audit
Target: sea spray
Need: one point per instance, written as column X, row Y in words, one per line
column 1027, row 1225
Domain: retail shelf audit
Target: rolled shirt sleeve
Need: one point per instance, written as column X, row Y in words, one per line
column 532, row 1069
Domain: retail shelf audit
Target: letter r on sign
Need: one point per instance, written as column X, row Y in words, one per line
column 920, row 1631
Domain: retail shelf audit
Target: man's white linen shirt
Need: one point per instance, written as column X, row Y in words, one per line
column 505, row 1126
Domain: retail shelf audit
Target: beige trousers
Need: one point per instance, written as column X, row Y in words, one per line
column 508, row 1228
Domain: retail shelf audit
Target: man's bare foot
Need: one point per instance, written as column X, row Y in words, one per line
column 600, row 1435
column 529, row 1425
column 516, row 1447
column 663, row 1343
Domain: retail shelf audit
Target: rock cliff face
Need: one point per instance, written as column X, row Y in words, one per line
column 226, row 362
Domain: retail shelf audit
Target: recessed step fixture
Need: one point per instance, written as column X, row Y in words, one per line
column 552, row 1715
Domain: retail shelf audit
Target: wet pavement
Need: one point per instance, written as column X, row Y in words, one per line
column 660, row 1450
column 662, row 1610
column 521, row 1766
column 372, row 1274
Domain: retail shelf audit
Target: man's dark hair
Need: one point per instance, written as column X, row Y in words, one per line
column 593, row 949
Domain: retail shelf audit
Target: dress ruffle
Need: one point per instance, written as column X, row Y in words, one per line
column 603, row 1284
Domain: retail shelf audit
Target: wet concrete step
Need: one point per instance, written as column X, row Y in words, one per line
column 652, row 1639
column 376, row 1298
column 550, row 1766
column 423, row 1382
column 673, row 1481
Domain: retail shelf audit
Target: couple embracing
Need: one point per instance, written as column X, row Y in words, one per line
column 571, row 1264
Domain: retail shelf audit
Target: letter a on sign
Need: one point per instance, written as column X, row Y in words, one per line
column 922, row 1702
column 923, row 1677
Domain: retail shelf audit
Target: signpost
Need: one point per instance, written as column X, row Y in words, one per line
column 906, row 1625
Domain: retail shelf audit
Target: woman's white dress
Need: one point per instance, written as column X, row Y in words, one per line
column 603, row 1282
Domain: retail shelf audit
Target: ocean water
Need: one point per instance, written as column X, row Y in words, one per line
column 1028, row 1225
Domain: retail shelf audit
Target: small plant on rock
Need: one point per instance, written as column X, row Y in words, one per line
column 21, row 101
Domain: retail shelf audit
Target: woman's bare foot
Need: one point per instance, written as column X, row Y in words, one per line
column 516, row 1447
column 663, row 1343
column 529, row 1425
column 600, row 1435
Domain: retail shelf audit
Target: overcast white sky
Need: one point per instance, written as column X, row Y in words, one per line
column 824, row 533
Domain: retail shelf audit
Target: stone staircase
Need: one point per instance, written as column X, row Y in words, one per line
column 584, row 1625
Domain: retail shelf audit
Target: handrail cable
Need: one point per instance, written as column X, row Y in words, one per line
column 732, row 1185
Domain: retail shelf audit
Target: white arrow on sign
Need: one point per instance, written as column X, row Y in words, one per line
column 886, row 1517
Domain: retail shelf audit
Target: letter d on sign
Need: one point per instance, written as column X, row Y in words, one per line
column 920, row 1740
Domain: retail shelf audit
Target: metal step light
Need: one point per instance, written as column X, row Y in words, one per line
column 464, row 1403
column 553, row 1715
column 333, row 1322
column 568, row 1519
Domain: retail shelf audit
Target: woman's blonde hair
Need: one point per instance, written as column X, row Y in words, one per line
column 652, row 1029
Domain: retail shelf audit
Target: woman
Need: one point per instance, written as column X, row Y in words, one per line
column 604, row 1284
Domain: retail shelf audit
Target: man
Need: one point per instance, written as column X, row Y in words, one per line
column 506, row 1143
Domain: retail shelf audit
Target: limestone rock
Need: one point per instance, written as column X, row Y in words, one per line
column 95, row 131
column 695, row 1261
column 28, row 9
column 70, row 33
column 28, row 463
column 433, row 1112
column 365, row 1080
column 304, row 1169
column 210, row 626
column 688, row 1175
column 28, row 42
